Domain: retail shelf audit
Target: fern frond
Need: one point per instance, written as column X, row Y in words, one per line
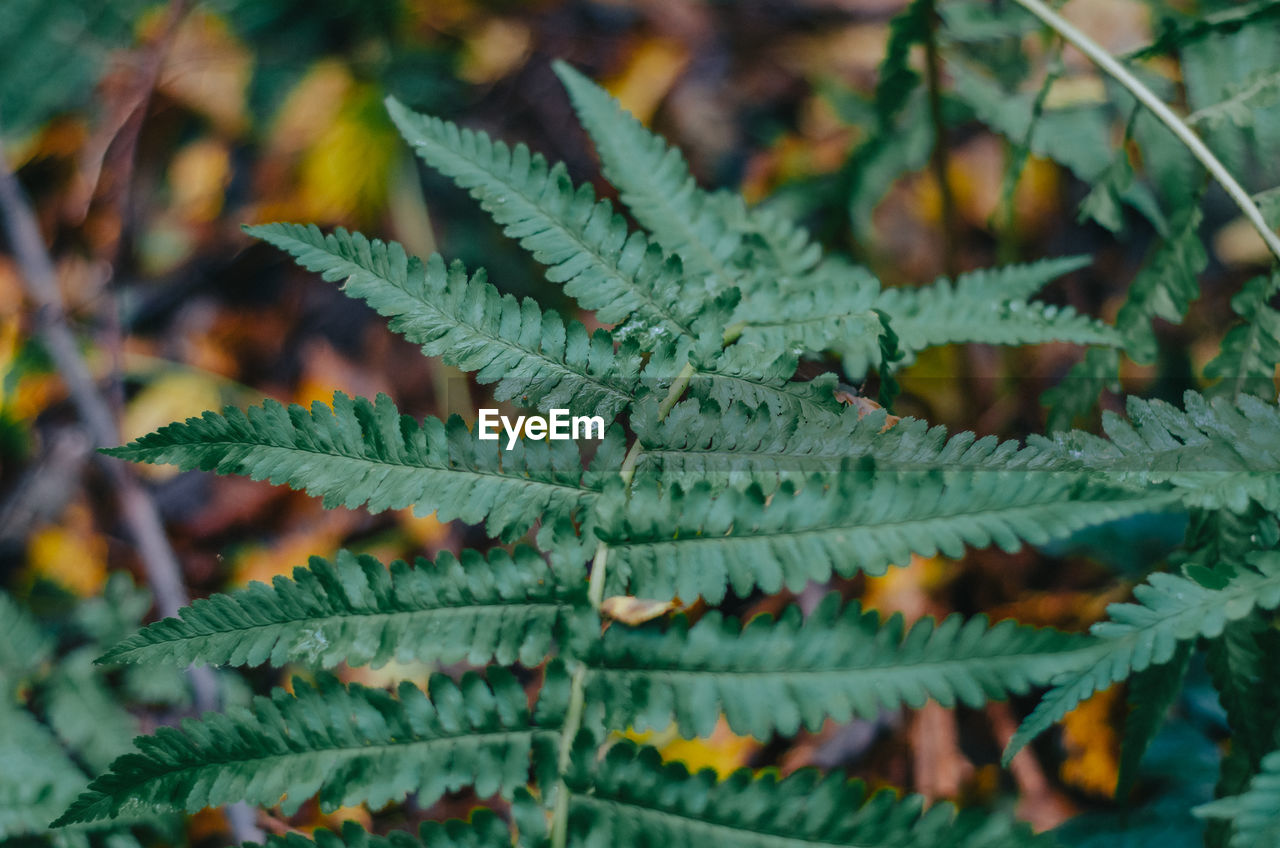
column 535, row 357
column 1242, row 665
column 23, row 645
column 1151, row 693
column 654, row 182
column 991, row 306
column 690, row 542
column 348, row 744
column 741, row 444
column 38, row 779
column 1251, row 351
column 584, row 243
column 87, row 717
column 361, row 452
column 1219, row 454
column 745, row 373
column 784, row 245
column 633, row 798
column 1171, row 609
column 770, row 675
column 831, row 309
column 1165, row 287
column 1254, row 814
column 501, row 608
column 484, row 830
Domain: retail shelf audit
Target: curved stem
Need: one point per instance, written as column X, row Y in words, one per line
column 595, row 593
column 1176, row 125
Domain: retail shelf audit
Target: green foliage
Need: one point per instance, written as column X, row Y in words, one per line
column 738, row 476
column 770, row 675
column 654, row 182
column 694, row 542
column 1171, row 610
column 361, row 453
column 991, row 306
column 477, row 732
column 51, row 52
column 633, row 798
column 532, row 355
column 1255, row 813
column 500, row 608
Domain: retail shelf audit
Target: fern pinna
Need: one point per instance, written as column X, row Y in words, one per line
column 721, row 474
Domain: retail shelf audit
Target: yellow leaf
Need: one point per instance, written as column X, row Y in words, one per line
column 206, row 68
column 70, row 553
column 633, row 611
column 198, row 180
column 722, row 751
column 346, row 173
column 1093, row 748
column 649, row 74
column 494, row 50
column 174, row 396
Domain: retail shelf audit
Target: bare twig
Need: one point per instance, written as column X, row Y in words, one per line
column 137, row 509
column 938, row 160
column 1176, row 125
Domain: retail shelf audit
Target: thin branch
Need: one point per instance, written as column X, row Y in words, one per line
column 164, row 574
column 595, row 592
column 1176, row 125
column 938, row 160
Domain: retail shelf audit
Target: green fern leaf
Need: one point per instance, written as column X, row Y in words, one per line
column 585, row 245
column 1254, row 814
column 773, row 237
column 1171, row 609
column 1151, row 693
column 772, row 676
column 633, row 798
column 348, row 744
column 693, row 542
column 990, row 306
column 831, row 309
column 86, row 715
column 1220, row 454
column 751, row 375
column 38, row 779
column 534, row 357
column 740, row 444
column 1178, row 32
column 1242, row 665
column 502, row 608
column 23, row 646
column 358, row 452
column 484, row 830
column 1251, row 351
column 1165, row 287
column 654, row 182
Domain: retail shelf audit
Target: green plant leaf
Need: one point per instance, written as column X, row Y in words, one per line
column 633, row 798
column 359, row 452
column 534, row 357
column 654, row 182
column 501, row 607
column 695, row 542
column 349, row 744
column 585, row 245
column 777, row 675
column 1171, row 609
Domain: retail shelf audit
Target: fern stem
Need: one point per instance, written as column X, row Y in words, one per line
column 938, row 160
column 1176, row 125
column 595, row 593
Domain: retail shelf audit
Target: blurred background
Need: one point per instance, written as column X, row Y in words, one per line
column 144, row 135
